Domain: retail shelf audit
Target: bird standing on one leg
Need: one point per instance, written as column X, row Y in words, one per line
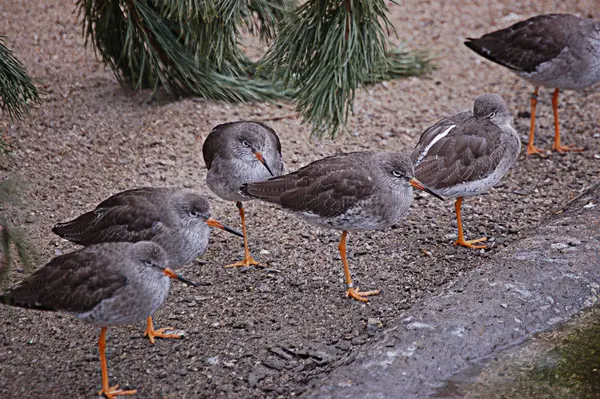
column 176, row 219
column 350, row 192
column 236, row 153
column 558, row 51
column 468, row 154
column 104, row 285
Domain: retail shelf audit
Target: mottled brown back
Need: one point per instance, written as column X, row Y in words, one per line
column 430, row 133
column 469, row 152
column 327, row 187
column 75, row 282
column 526, row 44
column 130, row 215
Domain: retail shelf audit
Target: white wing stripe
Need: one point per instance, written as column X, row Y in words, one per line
column 435, row 140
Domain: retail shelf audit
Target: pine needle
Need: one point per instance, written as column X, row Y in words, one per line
column 322, row 50
column 17, row 90
column 185, row 46
column 326, row 49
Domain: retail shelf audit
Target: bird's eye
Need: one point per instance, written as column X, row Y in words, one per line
column 245, row 143
column 148, row 263
column 490, row 116
column 194, row 214
column 396, row 173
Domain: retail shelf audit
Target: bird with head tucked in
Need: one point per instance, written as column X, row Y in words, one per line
column 467, row 154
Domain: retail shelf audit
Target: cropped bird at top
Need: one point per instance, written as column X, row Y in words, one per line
column 236, row 153
column 558, row 51
column 176, row 219
column 105, row 285
column 348, row 192
column 467, row 154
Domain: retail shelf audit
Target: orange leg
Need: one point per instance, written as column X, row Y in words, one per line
column 151, row 333
column 248, row 259
column 531, row 149
column 106, row 391
column 461, row 238
column 556, row 146
column 352, row 292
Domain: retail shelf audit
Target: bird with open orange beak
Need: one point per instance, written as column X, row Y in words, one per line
column 176, row 219
column 348, row 192
column 237, row 153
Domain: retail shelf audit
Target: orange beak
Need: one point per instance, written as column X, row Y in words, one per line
column 261, row 159
column 418, row 185
column 215, row 223
column 171, row 273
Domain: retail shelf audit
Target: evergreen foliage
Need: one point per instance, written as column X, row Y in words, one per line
column 327, row 48
column 321, row 51
column 17, row 93
column 17, row 90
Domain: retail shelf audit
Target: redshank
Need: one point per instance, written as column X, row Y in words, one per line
column 175, row 219
column 558, row 51
column 351, row 192
column 467, row 154
column 104, row 285
column 236, row 153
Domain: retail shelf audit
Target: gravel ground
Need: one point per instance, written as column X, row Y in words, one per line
column 262, row 333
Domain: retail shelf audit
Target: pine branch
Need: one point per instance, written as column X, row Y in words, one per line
column 323, row 50
column 212, row 28
column 400, row 63
column 263, row 16
column 185, row 46
column 326, row 49
column 17, row 90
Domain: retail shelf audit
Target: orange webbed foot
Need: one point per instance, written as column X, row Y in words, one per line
column 360, row 296
column 114, row 392
column 565, row 148
column 151, row 334
column 469, row 243
column 246, row 262
column 533, row 150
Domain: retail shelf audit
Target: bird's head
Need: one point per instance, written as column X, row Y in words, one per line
column 194, row 210
column 399, row 173
column 492, row 107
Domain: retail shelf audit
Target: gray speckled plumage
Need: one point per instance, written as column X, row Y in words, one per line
column 173, row 218
column 552, row 50
column 231, row 162
column 468, row 153
column 560, row 51
column 104, row 285
column 352, row 192
column 348, row 192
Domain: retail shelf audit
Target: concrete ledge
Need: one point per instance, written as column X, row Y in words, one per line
column 552, row 273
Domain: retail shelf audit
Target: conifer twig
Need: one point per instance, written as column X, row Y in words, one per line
column 17, row 90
